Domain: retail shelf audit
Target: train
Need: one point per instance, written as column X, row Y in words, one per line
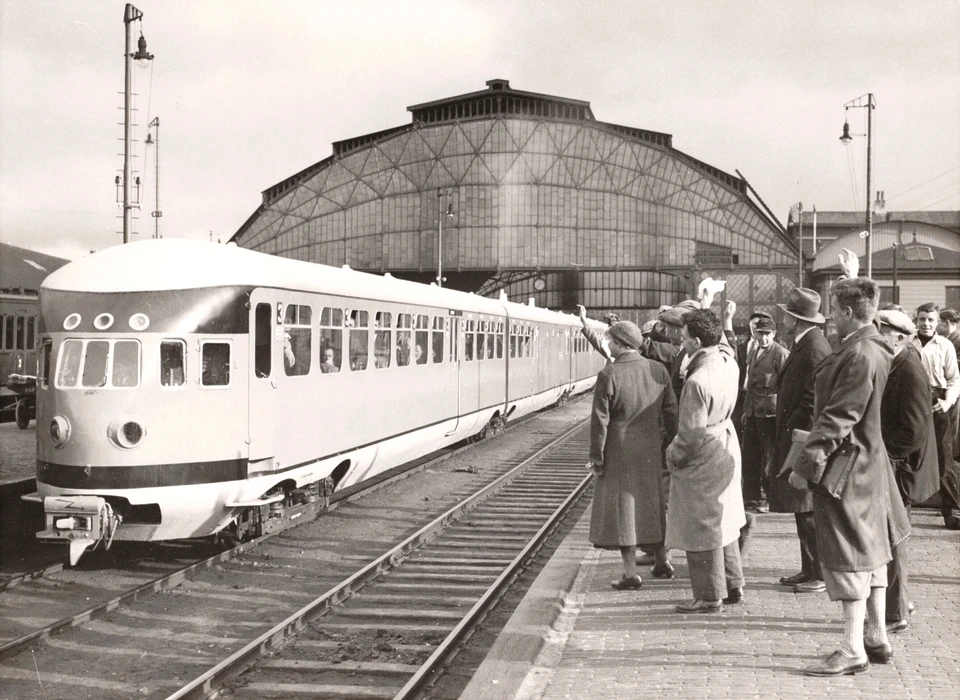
column 18, row 356
column 188, row 389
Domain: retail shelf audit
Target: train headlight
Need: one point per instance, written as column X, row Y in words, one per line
column 126, row 433
column 139, row 322
column 59, row 431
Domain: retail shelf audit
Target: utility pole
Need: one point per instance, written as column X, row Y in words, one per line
column 156, row 213
column 130, row 15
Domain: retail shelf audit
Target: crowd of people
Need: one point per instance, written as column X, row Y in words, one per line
column 694, row 431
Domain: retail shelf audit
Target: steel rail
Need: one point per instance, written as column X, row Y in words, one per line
column 174, row 579
column 203, row 685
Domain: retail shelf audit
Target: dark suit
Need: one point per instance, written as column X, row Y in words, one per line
column 907, row 425
column 759, row 417
column 795, row 411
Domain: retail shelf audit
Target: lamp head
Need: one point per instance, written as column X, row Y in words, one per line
column 141, row 56
column 846, row 138
column 149, row 140
column 450, row 213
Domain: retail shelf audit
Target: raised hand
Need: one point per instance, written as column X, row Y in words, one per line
column 849, row 263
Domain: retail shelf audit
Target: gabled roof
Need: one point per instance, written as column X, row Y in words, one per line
column 22, row 271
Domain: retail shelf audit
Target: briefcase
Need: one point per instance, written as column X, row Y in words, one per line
column 839, row 464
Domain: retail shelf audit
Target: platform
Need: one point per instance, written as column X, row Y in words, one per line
column 575, row 637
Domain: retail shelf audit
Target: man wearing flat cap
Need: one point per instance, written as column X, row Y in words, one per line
column 906, row 423
column 760, row 411
column 634, row 414
column 801, row 324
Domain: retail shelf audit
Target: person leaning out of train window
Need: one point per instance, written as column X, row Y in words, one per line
column 289, row 358
column 595, row 338
column 328, row 365
column 634, row 413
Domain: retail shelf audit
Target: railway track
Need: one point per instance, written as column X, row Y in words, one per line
column 236, row 592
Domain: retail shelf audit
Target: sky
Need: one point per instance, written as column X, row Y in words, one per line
column 248, row 93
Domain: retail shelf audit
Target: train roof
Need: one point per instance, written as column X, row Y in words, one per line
column 172, row 264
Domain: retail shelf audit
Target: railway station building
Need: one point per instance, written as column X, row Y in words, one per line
column 528, row 194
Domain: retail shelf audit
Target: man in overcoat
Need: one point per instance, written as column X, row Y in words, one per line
column 906, row 422
column 634, row 413
column 764, row 363
column 801, row 322
column 706, row 505
column 858, row 523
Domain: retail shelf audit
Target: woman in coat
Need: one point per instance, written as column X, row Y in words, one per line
column 634, row 412
column 706, row 503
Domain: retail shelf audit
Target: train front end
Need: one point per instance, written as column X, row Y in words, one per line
column 140, row 435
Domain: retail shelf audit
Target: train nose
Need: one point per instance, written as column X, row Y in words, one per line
column 127, row 433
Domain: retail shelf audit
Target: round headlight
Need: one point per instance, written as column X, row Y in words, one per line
column 126, row 433
column 103, row 321
column 59, row 431
column 71, row 322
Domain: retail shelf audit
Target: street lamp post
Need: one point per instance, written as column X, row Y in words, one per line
column 449, row 214
column 130, row 15
column 870, row 105
column 156, row 213
column 799, row 206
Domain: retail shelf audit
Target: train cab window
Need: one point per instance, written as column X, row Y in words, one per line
column 468, row 341
column 95, row 363
column 216, row 364
column 71, row 352
column 297, row 339
column 31, row 332
column 173, row 360
column 404, row 333
column 8, row 327
column 437, row 347
column 125, row 368
column 382, row 340
column 331, row 340
column 422, row 349
column 359, row 323
column 44, row 364
column 262, row 342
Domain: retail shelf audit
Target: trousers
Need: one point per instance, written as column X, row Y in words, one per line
column 807, row 532
column 714, row 572
column 898, row 597
column 758, row 445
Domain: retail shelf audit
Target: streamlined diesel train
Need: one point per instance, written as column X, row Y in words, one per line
column 187, row 388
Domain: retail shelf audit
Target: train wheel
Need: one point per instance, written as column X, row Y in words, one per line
column 23, row 414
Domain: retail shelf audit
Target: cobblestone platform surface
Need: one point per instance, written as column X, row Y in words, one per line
column 575, row 637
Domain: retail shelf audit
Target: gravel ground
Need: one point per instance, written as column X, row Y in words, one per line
column 18, row 453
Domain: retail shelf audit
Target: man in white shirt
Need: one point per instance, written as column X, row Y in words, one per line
column 940, row 360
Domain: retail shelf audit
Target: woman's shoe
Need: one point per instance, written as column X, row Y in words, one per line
column 627, row 583
column 700, row 606
column 665, row 570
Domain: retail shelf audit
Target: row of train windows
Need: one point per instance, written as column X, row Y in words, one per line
column 399, row 340
column 18, row 332
column 116, row 363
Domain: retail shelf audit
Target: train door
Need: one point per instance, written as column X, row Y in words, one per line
column 263, row 389
column 453, row 342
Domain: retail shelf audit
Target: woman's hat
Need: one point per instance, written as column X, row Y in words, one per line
column 626, row 333
column 804, row 304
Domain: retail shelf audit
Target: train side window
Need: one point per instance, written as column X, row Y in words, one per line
column 331, row 340
column 70, row 354
column 481, row 353
column 216, row 364
column 297, row 340
column 359, row 322
column 21, row 335
column 31, row 332
column 382, row 340
column 468, row 341
column 8, row 326
column 453, row 327
column 173, row 360
column 499, row 341
column 125, row 369
column 490, row 350
column 45, row 347
column 513, row 340
column 404, row 332
column 438, row 328
column 262, row 342
column 95, row 363
column 423, row 339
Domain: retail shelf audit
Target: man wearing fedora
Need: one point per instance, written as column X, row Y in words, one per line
column 801, row 324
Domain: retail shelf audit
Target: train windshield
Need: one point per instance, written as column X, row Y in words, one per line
column 99, row 363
